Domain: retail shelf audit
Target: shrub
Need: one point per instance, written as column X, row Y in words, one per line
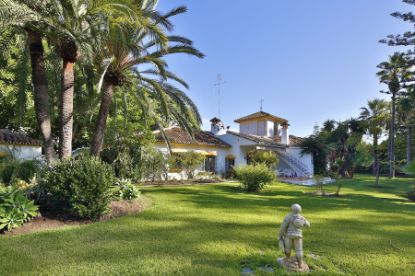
column 188, row 161
column 79, row 187
column 266, row 157
column 15, row 209
column 254, row 177
column 154, row 164
column 126, row 190
column 11, row 169
column 124, row 162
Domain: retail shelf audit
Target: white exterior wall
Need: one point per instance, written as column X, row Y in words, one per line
column 285, row 136
column 306, row 159
column 221, row 154
column 249, row 128
column 23, row 152
column 259, row 128
column 270, row 128
column 236, row 150
column 239, row 149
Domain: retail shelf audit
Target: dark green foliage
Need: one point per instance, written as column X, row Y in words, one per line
column 316, row 146
column 78, row 187
column 254, row 177
column 12, row 169
column 126, row 190
column 125, row 162
column 15, row 209
column 407, row 38
column 266, row 157
column 336, row 145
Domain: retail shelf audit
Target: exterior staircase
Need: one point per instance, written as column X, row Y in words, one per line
column 299, row 169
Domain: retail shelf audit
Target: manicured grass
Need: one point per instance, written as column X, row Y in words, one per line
column 218, row 230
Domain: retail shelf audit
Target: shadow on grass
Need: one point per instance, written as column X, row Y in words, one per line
column 233, row 197
column 217, row 227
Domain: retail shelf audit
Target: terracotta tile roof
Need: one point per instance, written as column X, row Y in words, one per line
column 268, row 141
column 179, row 136
column 261, row 114
column 12, row 138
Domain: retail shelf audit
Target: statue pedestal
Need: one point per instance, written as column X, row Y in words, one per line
column 291, row 265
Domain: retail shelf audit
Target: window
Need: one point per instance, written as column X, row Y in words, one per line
column 210, row 162
column 229, row 163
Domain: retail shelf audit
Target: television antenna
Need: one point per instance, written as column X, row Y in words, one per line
column 261, row 102
column 219, row 84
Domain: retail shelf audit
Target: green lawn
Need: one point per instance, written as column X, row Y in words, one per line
column 218, row 230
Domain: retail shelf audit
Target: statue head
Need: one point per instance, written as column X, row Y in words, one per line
column 296, row 208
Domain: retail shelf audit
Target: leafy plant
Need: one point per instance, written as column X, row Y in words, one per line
column 79, row 187
column 10, row 219
column 15, row 209
column 126, row 190
column 254, row 177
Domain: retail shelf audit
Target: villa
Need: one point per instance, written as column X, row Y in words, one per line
column 19, row 146
column 225, row 148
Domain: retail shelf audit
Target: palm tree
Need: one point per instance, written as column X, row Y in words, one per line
column 376, row 115
column 74, row 29
column 126, row 50
column 405, row 120
column 19, row 14
column 394, row 73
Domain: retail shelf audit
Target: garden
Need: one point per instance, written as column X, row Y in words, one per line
column 219, row 229
column 91, row 80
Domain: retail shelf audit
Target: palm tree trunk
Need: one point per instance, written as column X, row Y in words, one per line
column 392, row 139
column 66, row 112
column 408, row 145
column 104, row 109
column 376, row 158
column 40, row 93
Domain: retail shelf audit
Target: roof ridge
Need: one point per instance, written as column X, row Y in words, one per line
column 260, row 114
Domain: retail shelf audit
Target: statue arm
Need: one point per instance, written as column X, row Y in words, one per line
column 283, row 230
column 306, row 223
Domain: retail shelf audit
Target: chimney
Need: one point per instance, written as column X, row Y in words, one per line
column 217, row 127
column 285, row 134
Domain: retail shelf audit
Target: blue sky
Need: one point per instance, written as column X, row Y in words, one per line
column 309, row 60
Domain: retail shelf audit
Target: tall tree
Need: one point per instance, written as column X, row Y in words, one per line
column 376, row 116
column 408, row 38
column 76, row 27
column 405, row 119
column 23, row 15
column 395, row 73
column 128, row 50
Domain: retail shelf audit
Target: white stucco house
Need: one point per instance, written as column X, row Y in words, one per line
column 19, row 146
column 226, row 148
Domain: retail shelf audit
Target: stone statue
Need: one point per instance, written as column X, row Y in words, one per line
column 291, row 235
